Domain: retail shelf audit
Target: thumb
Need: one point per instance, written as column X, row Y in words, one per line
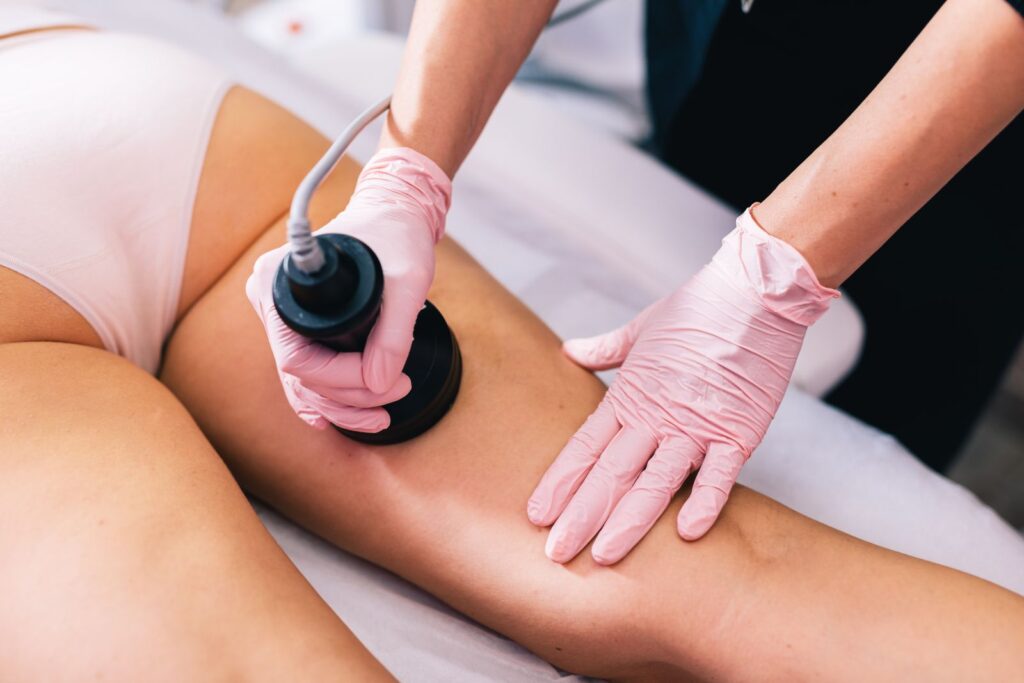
column 387, row 347
column 606, row 350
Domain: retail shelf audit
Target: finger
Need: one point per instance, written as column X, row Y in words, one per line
column 308, row 360
column 641, row 507
column 711, row 488
column 253, row 292
column 259, row 284
column 268, row 262
column 262, row 272
column 346, row 417
column 615, row 472
column 387, row 347
column 294, row 354
column 605, row 350
column 306, row 413
column 363, row 398
column 566, row 473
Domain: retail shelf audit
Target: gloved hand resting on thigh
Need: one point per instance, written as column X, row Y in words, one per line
column 398, row 208
column 702, row 373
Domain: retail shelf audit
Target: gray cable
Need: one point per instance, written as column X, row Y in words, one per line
column 306, row 252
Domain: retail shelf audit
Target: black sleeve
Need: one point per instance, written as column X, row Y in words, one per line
column 1017, row 5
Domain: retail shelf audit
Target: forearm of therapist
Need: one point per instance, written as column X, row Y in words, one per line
column 952, row 91
column 459, row 58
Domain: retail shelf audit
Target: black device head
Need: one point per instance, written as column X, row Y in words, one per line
column 339, row 303
column 338, row 306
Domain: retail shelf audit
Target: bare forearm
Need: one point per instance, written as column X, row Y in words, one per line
column 952, row 91
column 460, row 57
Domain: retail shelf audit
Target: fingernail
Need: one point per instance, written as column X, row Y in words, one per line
column 553, row 548
column 602, row 553
column 692, row 527
column 380, row 372
column 559, row 549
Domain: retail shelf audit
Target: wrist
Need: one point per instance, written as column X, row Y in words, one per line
column 424, row 138
column 780, row 217
column 405, row 176
column 772, row 271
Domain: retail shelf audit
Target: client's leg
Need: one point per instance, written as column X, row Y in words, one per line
column 129, row 553
column 767, row 591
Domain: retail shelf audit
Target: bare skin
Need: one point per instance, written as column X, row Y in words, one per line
column 954, row 89
column 446, row 510
column 129, row 552
column 795, row 598
column 459, row 58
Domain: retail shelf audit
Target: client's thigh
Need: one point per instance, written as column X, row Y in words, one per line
column 127, row 551
column 447, row 510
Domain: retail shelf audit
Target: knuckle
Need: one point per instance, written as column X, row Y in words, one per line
column 412, row 274
column 394, row 338
column 602, row 476
column 421, row 272
column 666, row 474
column 266, row 263
column 613, row 469
column 287, row 365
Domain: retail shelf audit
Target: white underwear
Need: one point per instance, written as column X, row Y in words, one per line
column 103, row 140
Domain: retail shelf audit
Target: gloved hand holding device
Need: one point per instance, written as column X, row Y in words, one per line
column 702, row 373
column 398, row 209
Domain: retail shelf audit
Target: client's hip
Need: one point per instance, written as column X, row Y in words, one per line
column 105, row 137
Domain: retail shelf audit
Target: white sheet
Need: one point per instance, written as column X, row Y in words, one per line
column 526, row 210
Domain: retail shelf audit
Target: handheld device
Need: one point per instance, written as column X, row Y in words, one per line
column 329, row 288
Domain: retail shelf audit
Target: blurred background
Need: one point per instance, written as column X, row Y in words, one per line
column 592, row 67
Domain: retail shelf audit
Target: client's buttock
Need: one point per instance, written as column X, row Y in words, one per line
column 104, row 139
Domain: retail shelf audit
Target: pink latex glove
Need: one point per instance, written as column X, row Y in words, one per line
column 398, row 208
column 702, row 373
